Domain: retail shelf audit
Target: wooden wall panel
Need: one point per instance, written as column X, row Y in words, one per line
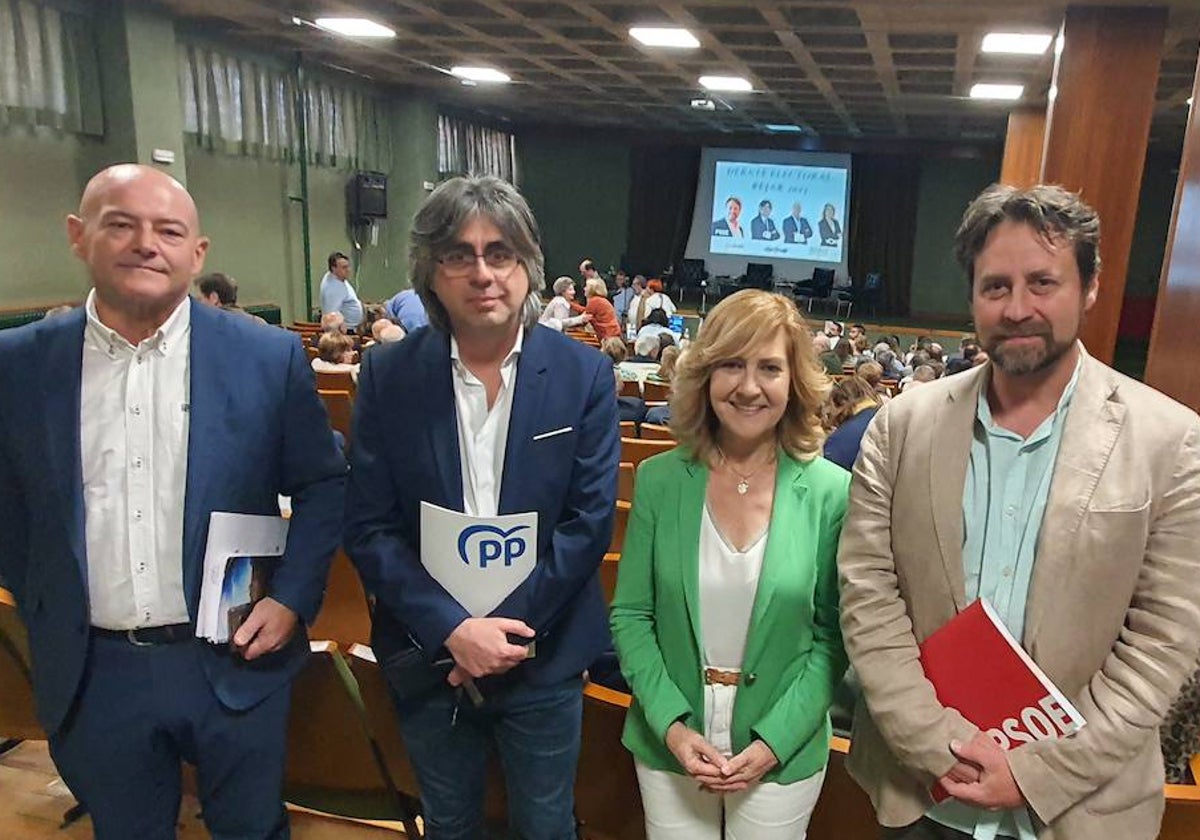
column 1023, row 147
column 1096, row 136
column 1172, row 366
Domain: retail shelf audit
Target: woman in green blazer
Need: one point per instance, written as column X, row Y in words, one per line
column 726, row 608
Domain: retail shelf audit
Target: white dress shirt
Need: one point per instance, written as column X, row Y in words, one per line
column 483, row 433
column 728, row 584
column 133, row 441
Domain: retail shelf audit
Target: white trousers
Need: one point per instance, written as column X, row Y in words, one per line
column 677, row 809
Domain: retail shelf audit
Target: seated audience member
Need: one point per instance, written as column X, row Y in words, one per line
column 921, row 376
column 221, row 290
column 629, row 408
column 378, row 326
column 667, row 359
column 935, row 352
column 391, row 334
column 665, row 340
column 957, row 364
column 405, row 308
column 886, row 356
column 656, row 324
column 1180, row 733
column 873, row 373
column 852, row 405
column 335, row 354
column 856, row 332
column 980, row 358
column 659, row 415
column 331, row 322
column 845, row 354
column 825, row 355
column 604, row 317
column 559, row 307
column 645, row 349
column 615, row 349
column 730, row 725
column 656, row 298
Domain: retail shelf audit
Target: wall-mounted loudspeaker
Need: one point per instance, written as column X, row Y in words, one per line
column 366, row 196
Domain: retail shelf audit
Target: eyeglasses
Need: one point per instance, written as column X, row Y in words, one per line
column 461, row 261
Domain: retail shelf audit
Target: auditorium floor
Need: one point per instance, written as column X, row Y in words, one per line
column 33, row 800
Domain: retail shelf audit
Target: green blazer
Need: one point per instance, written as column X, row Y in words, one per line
column 794, row 657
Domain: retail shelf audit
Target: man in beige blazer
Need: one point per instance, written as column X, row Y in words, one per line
column 1101, row 575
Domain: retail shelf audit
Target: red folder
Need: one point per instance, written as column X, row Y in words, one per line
column 979, row 669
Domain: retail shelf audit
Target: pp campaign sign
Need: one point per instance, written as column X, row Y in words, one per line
column 479, row 560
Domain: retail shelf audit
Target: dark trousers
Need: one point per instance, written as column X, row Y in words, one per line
column 925, row 829
column 141, row 712
column 535, row 730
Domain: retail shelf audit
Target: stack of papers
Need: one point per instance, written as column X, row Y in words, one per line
column 238, row 561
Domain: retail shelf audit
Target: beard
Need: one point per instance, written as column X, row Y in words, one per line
column 1028, row 358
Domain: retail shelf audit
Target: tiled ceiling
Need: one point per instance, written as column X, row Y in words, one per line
column 858, row 68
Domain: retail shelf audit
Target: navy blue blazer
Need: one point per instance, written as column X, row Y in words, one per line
column 406, row 450
column 761, row 228
column 256, row 429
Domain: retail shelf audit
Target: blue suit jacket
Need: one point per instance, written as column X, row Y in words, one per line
column 256, row 429
column 406, row 450
column 761, row 228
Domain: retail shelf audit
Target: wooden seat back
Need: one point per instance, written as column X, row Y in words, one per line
column 340, row 380
column 345, row 615
column 656, row 392
column 340, row 406
column 620, row 523
column 18, row 715
column 333, row 761
column 636, row 450
column 653, row 431
column 608, row 802
column 608, row 575
column 625, row 479
column 631, row 388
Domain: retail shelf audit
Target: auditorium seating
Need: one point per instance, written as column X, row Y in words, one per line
column 608, row 805
column 631, row 388
column 344, row 617
column 341, row 380
column 608, row 575
column 620, row 523
column 625, row 479
column 340, row 405
column 653, row 431
column 636, row 450
column 656, row 393
column 334, row 764
column 18, row 720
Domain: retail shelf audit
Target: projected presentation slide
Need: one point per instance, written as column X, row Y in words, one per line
column 779, row 211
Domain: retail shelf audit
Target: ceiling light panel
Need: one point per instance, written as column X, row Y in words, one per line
column 355, row 27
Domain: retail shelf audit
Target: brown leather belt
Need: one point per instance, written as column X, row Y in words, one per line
column 712, row 676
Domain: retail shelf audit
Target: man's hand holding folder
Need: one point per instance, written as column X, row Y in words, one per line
column 982, row 776
column 481, row 647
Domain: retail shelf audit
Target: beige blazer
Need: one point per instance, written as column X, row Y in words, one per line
column 1113, row 614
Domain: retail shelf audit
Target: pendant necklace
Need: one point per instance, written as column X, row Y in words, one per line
column 743, row 485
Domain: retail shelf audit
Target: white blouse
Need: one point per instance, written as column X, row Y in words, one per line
column 728, row 583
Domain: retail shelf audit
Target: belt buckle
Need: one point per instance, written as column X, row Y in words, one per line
column 131, row 636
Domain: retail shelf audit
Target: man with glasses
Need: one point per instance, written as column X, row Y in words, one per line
column 509, row 417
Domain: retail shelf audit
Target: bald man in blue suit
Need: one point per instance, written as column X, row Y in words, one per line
column 124, row 425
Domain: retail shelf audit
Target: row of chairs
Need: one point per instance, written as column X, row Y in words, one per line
column 654, row 393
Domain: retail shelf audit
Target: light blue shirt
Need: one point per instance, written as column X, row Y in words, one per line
column 622, row 299
column 339, row 296
column 406, row 309
column 1004, row 499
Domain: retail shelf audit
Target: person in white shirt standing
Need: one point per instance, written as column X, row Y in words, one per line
column 124, row 425
column 337, row 294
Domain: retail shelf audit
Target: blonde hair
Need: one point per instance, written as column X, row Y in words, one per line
column 667, row 362
column 595, row 287
column 846, row 395
column 738, row 324
column 333, row 345
column 614, row 348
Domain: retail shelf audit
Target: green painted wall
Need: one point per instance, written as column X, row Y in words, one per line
column 947, row 186
column 579, row 192
column 41, row 185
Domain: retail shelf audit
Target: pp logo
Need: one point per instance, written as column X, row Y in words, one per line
column 487, row 549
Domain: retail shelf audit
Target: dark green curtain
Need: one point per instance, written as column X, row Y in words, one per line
column 883, row 224
column 662, row 193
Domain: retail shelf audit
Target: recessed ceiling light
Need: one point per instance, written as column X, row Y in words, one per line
column 355, row 27
column 480, row 74
column 788, row 128
column 735, row 83
column 664, row 36
column 704, row 105
column 991, row 91
column 1016, row 43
